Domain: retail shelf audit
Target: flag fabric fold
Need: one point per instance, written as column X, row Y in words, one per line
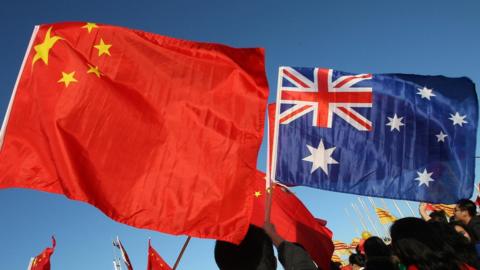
column 155, row 261
column 42, row 261
column 293, row 221
column 396, row 136
column 156, row 132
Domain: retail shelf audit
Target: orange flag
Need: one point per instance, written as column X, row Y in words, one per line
column 155, row 262
column 156, row 132
column 42, row 261
column 384, row 216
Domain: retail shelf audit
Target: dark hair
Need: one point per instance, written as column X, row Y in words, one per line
column 438, row 216
column 473, row 237
column 375, row 247
column 381, row 263
column 467, row 205
column 254, row 252
column 335, row 265
column 357, row 259
column 415, row 242
column 464, row 248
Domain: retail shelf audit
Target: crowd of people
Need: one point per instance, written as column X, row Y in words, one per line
column 433, row 242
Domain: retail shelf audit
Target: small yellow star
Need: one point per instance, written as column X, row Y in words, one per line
column 89, row 26
column 67, row 78
column 43, row 48
column 94, row 70
column 258, row 194
column 103, row 48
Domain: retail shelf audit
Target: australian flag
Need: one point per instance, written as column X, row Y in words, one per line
column 386, row 135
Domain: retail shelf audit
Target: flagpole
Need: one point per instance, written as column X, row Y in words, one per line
column 398, row 209
column 375, row 209
column 352, row 221
column 355, row 209
column 116, row 259
column 268, row 179
column 410, row 207
column 368, row 216
column 30, row 264
column 12, row 97
column 181, row 252
column 385, row 204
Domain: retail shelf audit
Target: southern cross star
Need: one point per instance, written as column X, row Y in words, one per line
column 441, row 136
column 425, row 92
column 395, row 122
column 424, row 178
column 458, row 119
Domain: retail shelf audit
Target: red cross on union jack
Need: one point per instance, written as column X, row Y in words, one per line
column 325, row 97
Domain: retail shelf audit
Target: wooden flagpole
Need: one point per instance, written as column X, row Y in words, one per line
column 181, row 252
column 268, row 179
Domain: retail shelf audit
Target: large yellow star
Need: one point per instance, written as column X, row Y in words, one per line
column 258, row 194
column 43, row 48
column 103, row 48
column 94, row 70
column 67, row 78
column 90, row 26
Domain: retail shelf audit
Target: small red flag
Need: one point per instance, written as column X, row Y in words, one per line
column 156, row 132
column 293, row 221
column 155, row 262
column 42, row 261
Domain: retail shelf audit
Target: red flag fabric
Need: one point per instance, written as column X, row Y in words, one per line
column 448, row 208
column 293, row 221
column 125, row 258
column 42, row 261
column 155, row 262
column 156, row 132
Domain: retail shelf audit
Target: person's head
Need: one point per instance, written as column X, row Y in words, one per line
column 438, row 216
column 254, row 252
column 463, row 247
column 463, row 230
column 356, row 261
column 416, row 242
column 465, row 210
column 375, row 247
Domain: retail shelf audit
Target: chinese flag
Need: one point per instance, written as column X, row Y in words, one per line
column 293, row 221
column 42, row 261
column 156, row 132
column 155, row 262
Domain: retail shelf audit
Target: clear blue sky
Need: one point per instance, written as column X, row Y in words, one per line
column 423, row 37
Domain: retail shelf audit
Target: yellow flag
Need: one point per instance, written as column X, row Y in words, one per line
column 384, row 216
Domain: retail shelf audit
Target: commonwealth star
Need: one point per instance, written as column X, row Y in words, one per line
column 320, row 157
